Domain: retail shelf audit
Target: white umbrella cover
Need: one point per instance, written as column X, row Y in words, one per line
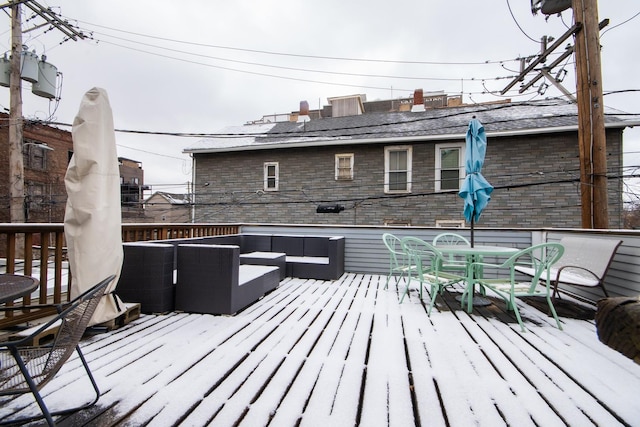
column 92, row 221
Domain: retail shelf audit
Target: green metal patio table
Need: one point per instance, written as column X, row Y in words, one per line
column 473, row 254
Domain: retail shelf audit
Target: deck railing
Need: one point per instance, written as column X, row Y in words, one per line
column 39, row 250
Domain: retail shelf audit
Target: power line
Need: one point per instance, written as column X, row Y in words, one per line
column 518, row 24
column 307, row 70
column 332, row 58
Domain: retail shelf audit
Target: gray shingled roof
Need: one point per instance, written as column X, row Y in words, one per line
column 434, row 124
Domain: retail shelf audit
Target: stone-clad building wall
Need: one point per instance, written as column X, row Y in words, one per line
column 535, row 179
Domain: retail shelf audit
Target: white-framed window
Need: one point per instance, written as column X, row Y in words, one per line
column 449, row 166
column 397, row 169
column 344, row 166
column 35, row 156
column 271, row 178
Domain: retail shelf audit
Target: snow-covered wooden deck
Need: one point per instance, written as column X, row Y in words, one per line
column 346, row 353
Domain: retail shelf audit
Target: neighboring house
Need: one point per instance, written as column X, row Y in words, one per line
column 47, row 151
column 168, row 207
column 402, row 166
column 131, row 189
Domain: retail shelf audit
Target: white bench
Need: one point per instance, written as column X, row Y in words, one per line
column 585, row 262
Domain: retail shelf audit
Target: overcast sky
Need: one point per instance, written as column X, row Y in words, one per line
column 197, row 66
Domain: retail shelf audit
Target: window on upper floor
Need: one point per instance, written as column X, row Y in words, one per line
column 397, row 169
column 449, row 166
column 344, row 166
column 35, row 156
column 271, row 178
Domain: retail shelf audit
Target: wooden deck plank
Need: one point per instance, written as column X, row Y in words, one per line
column 302, row 395
column 559, row 391
column 293, row 331
column 387, row 392
column 350, row 330
column 326, row 333
column 347, row 353
column 227, row 375
column 350, row 396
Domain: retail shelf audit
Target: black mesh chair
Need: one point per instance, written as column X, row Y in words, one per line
column 26, row 368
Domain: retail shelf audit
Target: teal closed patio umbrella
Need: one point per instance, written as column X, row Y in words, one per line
column 476, row 190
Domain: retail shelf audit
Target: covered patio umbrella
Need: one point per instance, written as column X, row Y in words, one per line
column 476, row 190
column 92, row 221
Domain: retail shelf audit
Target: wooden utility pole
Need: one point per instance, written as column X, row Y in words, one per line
column 591, row 132
column 16, row 160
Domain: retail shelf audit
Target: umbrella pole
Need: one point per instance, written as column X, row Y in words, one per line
column 472, row 236
column 476, row 300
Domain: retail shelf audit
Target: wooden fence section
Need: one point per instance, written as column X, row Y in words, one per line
column 143, row 232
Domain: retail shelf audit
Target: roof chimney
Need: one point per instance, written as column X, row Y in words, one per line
column 303, row 115
column 418, row 101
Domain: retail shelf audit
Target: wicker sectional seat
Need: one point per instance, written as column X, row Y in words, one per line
column 307, row 256
column 211, row 279
column 155, row 275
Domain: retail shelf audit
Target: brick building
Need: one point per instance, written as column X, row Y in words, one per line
column 401, row 166
column 47, row 151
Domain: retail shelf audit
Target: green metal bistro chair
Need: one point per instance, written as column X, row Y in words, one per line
column 452, row 262
column 26, row 368
column 398, row 262
column 539, row 259
column 426, row 262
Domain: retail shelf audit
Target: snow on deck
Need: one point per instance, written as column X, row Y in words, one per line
column 345, row 353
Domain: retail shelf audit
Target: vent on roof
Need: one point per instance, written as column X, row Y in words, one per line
column 347, row 105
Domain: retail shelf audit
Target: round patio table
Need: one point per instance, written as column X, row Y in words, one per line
column 14, row 286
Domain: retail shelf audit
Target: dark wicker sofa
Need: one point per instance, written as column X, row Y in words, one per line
column 150, row 269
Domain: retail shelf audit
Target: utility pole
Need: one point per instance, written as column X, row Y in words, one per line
column 591, row 132
column 16, row 159
column 592, row 142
